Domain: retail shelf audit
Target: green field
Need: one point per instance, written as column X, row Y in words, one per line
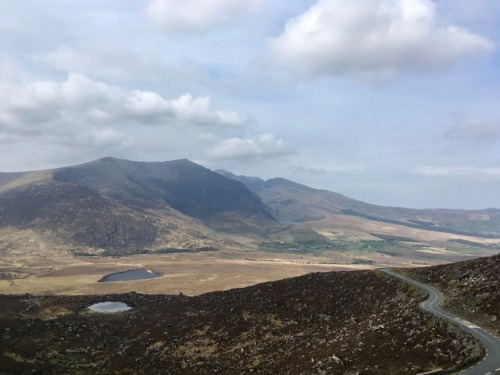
column 389, row 246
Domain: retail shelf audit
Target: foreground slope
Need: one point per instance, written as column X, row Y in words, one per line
column 472, row 288
column 335, row 323
column 491, row 344
column 117, row 207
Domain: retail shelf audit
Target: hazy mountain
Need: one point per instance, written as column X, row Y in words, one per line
column 292, row 202
column 119, row 206
column 122, row 205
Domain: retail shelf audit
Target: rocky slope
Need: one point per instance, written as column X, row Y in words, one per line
column 472, row 288
column 114, row 206
column 329, row 323
column 180, row 184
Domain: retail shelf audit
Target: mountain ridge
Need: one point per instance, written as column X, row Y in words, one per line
column 293, row 202
column 115, row 205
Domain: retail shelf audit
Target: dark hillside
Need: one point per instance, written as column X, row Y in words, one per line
column 7, row 177
column 329, row 323
column 118, row 207
column 76, row 214
column 185, row 186
column 472, row 288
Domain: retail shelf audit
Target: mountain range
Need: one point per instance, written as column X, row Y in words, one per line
column 114, row 207
column 121, row 206
column 293, row 202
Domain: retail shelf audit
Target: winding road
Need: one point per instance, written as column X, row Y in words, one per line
column 491, row 362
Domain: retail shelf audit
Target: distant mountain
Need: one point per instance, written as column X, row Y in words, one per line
column 122, row 206
column 182, row 185
column 293, row 202
column 114, row 206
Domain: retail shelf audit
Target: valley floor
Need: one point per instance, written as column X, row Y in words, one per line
column 187, row 273
column 190, row 274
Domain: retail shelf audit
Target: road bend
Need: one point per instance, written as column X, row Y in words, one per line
column 490, row 364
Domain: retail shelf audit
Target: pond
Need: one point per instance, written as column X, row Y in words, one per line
column 109, row 307
column 137, row 274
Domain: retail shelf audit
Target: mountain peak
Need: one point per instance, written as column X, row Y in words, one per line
column 114, row 203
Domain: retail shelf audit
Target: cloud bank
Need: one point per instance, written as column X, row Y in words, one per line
column 374, row 39
column 460, row 171
column 103, row 60
column 192, row 16
column 260, row 147
column 326, row 169
column 82, row 99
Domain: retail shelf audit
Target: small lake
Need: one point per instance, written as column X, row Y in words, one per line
column 137, row 274
column 109, row 307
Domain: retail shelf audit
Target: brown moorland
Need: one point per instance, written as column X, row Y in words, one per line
column 472, row 288
column 324, row 323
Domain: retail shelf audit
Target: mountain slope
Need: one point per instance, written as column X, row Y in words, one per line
column 292, row 202
column 471, row 287
column 76, row 214
column 185, row 186
column 119, row 206
column 323, row 323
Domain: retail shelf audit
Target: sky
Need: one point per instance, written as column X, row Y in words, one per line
column 392, row 102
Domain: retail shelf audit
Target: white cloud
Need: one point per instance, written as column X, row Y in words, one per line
column 198, row 110
column 103, row 60
column 190, row 16
column 459, row 171
column 106, row 137
column 374, row 39
column 82, row 99
column 332, row 168
column 79, row 118
column 262, row 146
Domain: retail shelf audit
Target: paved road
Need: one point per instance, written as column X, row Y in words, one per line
column 491, row 362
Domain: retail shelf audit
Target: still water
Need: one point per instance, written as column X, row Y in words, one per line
column 137, row 274
column 109, row 307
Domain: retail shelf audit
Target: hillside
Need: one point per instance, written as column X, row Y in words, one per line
column 76, row 214
column 292, row 202
column 472, row 288
column 116, row 206
column 119, row 207
column 328, row 323
column 180, row 184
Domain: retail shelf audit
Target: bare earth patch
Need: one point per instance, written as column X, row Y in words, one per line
column 190, row 274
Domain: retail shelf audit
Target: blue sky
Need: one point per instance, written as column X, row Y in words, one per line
column 394, row 102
